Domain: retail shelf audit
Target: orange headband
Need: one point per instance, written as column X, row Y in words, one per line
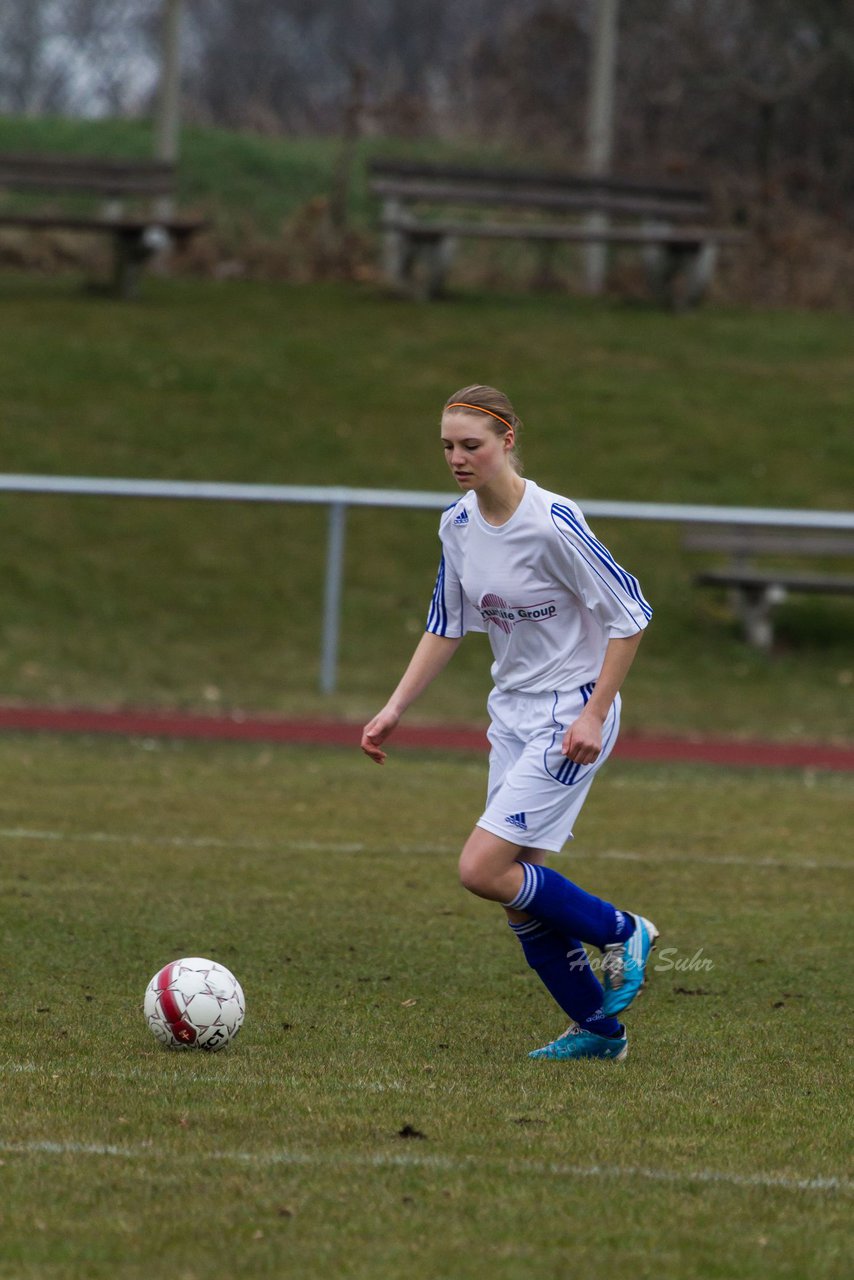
column 461, row 404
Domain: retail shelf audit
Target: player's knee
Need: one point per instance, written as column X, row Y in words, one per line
column 474, row 876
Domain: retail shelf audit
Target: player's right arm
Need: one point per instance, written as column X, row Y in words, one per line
column 431, row 656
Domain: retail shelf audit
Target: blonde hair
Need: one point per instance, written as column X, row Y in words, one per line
column 495, row 404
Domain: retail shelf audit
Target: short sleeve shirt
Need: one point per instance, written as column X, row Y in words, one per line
column 546, row 591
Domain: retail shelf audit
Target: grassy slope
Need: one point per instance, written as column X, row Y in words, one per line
column 378, row 997
column 219, row 171
column 240, row 180
column 336, row 385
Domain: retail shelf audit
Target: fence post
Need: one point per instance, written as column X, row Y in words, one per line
column 332, row 596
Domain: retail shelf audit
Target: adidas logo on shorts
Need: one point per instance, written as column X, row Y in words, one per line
column 517, row 820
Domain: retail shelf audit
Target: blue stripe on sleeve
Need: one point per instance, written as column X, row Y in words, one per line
column 628, row 584
column 437, row 618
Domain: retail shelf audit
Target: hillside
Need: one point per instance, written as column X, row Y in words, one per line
column 131, row 602
column 272, row 204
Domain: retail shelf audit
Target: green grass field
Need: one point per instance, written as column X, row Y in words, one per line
column 381, row 999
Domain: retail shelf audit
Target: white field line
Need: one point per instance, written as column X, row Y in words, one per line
column 722, row 860
column 449, row 1164
column 185, row 1079
column 184, row 842
column 350, row 847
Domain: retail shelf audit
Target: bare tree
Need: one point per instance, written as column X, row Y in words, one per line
column 758, row 88
column 22, row 32
column 74, row 57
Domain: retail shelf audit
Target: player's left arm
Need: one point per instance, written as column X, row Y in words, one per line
column 582, row 741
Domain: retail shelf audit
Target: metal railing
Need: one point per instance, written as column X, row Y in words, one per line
column 338, row 499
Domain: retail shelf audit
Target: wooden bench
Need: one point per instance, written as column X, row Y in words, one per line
column 426, row 208
column 135, row 235
column 755, row 590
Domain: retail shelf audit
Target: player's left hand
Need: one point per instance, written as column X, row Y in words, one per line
column 582, row 741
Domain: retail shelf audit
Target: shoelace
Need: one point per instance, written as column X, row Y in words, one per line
column 612, row 965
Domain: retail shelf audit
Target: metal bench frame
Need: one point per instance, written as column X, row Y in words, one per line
column 666, row 221
column 754, row 591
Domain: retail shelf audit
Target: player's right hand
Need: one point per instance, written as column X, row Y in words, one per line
column 375, row 732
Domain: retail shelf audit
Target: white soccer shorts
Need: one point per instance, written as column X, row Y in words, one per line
column 534, row 792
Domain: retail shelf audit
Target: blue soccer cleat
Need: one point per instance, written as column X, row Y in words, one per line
column 624, row 966
column 578, row 1043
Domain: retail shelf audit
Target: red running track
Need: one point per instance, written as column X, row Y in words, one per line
column 240, row 728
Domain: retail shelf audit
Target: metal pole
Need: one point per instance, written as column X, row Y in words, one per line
column 332, row 596
column 168, row 115
column 600, row 128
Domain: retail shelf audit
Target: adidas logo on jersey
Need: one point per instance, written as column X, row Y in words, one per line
column 517, row 820
column 462, row 518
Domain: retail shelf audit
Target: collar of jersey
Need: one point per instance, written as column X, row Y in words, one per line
column 498, row 529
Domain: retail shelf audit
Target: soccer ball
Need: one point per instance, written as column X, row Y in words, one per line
column 194, row 1004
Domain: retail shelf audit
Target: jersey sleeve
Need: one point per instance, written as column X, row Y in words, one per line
column 450, row 613
column 610, row 592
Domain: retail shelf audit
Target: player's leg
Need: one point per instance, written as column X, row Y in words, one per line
column 534, row 796
column 489, row 862
column 562, row 965
column 495, row 867
column 524, row 764
column 539, row 792
column 626, row 938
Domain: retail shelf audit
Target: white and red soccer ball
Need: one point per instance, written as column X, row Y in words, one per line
column 194, row 1004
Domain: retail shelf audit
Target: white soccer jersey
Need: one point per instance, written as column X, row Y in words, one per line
column 547, row 592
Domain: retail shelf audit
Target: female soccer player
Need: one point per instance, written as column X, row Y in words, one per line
column 564, row 621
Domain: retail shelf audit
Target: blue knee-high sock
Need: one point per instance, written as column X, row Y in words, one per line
column 569, row 910
column 562, row 966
